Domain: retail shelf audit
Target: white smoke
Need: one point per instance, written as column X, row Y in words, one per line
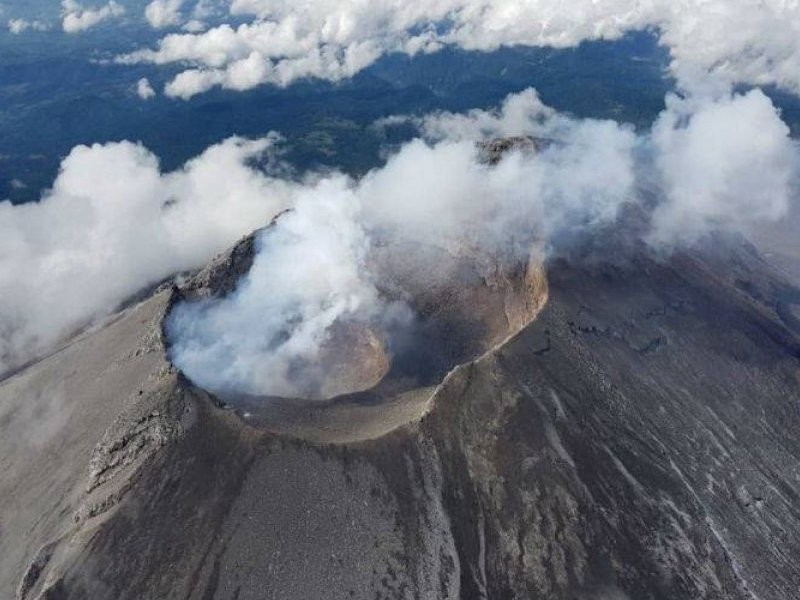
column 112, row 224
column 722, row 161
column 309, row 273
column 314, row 267
column 744, row 41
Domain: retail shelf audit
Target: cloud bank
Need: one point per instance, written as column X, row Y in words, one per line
column 747, row 41
column 77, row 18
column 113, row 224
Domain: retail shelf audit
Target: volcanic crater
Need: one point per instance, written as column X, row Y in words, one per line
column 377, row 379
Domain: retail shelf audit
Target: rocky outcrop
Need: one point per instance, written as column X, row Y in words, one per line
column 492, row 151
column 220, row 277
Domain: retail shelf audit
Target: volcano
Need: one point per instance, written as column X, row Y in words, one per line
column 605, row 423
column 463, row 309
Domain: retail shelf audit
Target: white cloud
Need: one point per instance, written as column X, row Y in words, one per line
column 201, row 13
column 752, row 41
column 77, row 18
column 112, row 224
column 163, row 13
column 724, row 162
column 559, row 188
column 17, row 26
column 144, row 90
column 190, row 83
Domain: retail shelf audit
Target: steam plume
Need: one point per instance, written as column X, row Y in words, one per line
column 434, row 194
column 113, row 223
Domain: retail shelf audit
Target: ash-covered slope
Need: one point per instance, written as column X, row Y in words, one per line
column 637, row 440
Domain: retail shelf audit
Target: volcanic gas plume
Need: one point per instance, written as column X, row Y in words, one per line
column 359, row 260
column 388, row 282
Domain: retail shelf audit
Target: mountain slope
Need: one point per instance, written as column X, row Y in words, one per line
column 638, row 440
